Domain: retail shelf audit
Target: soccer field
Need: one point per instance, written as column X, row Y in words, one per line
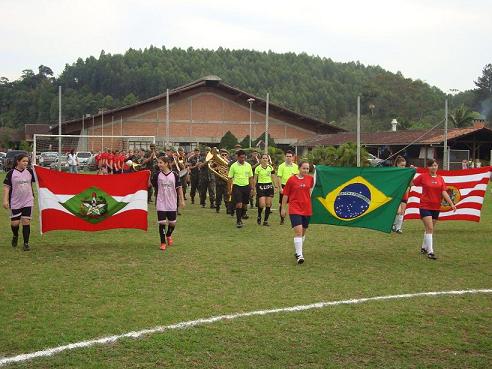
column 76, row 286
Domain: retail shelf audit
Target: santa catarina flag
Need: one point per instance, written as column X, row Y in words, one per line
column 87, row 202
column 359, row 197
column 466, row 188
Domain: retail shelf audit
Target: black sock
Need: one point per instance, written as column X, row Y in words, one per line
column 260, row 211
column 26, row 231
column 280, row 212
column 170, row 229
column 267, row 213
column 239, row 214
column 162, row 232
column 15, row 230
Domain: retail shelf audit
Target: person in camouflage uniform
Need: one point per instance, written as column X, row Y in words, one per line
column 194, row 162
column 150, row 162
column 206, row 182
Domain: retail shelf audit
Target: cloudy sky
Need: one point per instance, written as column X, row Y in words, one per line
column 443, row 42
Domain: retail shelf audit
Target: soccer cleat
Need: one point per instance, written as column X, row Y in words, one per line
column 14, row 241
column 296, row 256
column 423, row 251
column 399, row 231
column 432, row 256
column 265, row 223
column 239, row 225
column 393, row 228
column 26, row 247
column 169, row 240
column 300, row 259
column 258, row 220
column 163, row 246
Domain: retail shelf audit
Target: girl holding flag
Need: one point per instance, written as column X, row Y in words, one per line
column 297, row 192
column 433, row 191
column 400, row 162
column 167, row 193
column 18, row 196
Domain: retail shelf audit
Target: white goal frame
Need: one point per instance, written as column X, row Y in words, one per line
column 128, row 139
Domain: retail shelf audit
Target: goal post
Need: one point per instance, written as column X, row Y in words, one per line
column 90, row 143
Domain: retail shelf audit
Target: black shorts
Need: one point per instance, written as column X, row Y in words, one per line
column 170, row 216
column 264, row 189
column 16, row 214
column 429, row 213
column 240, row 194
column 297, row 220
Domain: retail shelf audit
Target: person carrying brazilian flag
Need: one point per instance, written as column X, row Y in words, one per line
column 359, row 197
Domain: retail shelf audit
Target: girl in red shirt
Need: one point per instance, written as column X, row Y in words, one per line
column 400, row 162
column 433, row 190
column 297, row 192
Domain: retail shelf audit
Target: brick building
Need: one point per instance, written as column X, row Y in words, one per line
column 199, row 112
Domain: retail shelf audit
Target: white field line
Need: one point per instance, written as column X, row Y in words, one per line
column 193, row 323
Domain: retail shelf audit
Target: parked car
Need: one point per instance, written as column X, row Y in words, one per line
column 9, row 160
column 91, row 164
column 47, row 158
column 84, row 158
column 64, row 164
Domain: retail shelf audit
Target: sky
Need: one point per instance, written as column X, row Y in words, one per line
column 442, row 42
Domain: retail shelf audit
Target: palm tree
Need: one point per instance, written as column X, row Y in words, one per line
column 462, row 117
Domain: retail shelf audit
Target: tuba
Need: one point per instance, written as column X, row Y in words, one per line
column 217, row 165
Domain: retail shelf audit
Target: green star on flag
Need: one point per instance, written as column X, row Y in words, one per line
column 359, row 197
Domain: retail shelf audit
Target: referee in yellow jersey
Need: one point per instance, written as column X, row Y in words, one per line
column 240, row 184
column 284, row 172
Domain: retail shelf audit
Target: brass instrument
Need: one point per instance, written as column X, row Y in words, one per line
column 217, row 164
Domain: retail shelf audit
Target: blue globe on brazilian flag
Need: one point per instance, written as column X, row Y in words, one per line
column 359, row 197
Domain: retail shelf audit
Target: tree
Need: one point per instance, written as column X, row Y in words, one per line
column 462, row 117
column 484, row 82
column 245, row 141
column 323, row 155
column 228, row 141
column 347, row 155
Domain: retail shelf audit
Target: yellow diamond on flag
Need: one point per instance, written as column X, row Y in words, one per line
column 353, row 199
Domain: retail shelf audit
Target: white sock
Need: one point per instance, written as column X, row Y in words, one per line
column 399, row 221
column 424, row 243
column 298, row 245
column 428, row 242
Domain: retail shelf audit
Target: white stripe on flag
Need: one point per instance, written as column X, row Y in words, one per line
column 49, row 200
column 466, row 178
column 463, row 191
column 474, row 199
column 465, row 211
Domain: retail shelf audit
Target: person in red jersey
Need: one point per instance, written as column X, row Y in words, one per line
column 433, row 191
column 297, row 193
column 109, row 161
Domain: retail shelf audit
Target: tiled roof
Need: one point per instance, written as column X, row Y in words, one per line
column 420, row 137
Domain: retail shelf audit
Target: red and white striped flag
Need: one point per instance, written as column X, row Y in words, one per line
column 87, row 202
column 466, row 188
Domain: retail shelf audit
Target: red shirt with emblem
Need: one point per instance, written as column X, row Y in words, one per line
column 432, row 188
column 299, row 192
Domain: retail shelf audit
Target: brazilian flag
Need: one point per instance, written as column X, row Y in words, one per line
column 359, row 197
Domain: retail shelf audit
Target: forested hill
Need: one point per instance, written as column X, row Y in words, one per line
column 311, row 85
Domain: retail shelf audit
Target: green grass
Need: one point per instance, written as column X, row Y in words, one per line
column 75, row 286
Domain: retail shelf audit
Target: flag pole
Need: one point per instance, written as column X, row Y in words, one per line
column 445, row 153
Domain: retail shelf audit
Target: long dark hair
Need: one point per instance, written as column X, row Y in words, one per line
column 20, row 157
column 399, row 159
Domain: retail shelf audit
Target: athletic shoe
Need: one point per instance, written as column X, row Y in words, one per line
column 432, row 256
column 245, row 216
column 163, row 246
column 393, row 228
column 239, row 225
column 399, row 231
column 14, row 241
column 169, row 240
column 212, row 206
column 423, row 251
column 300, row 259
column 258, row 220
column 26, row 247
column 266, row 224
column 296, row 256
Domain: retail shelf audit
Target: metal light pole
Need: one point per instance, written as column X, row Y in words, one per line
column 167, row 117
column 59, row 126
column 358, row 131
column 92, row 138
column 251, row 101
column 445, row 154
column 266, row 122
column 101, row 111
